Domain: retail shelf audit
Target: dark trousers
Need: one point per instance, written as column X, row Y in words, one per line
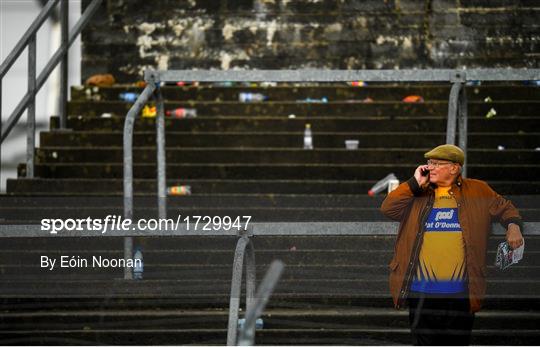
column 440, row 320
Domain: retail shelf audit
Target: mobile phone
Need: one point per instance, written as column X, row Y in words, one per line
column 424, row 172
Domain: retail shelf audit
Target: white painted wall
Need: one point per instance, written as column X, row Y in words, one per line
column 15, row 18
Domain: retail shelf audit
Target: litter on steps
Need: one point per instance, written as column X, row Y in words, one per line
column 100, row 80
column 390, row 181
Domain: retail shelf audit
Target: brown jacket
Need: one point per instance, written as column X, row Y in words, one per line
column 478, row 205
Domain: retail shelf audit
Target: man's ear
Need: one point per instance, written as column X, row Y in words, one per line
column 456, row 169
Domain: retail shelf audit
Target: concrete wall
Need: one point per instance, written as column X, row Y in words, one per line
column 130, row 35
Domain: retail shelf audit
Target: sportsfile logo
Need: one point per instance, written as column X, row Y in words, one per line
column 54, row 225
column 117, row 223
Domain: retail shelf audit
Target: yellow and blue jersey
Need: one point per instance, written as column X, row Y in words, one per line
column 441, row 268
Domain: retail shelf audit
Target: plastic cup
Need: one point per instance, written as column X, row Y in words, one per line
column 351, row 144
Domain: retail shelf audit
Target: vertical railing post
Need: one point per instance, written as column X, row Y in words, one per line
column 31, row 112
column 64, row 17
column 1, row 133
column 457, row 110
column 452, row 113
column 244, row 244
column 161, row 157
column 463, row 128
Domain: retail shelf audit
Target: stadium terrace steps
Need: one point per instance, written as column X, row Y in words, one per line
column 183, row 302
column 387, row 92
column 268, row 171
column 145, row 187
column 304, row 109
column 367, row 139
column 387, row 123
column 184, row 311
column 247, row 159
column 262, row 207
column 216, row 155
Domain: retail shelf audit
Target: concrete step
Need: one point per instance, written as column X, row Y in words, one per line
column 220, row 301
column 199, row 336
column 107, row 186
column 259, row 214
column 518, row 172
column 153, row 288
column 287, row 139
column 283, row 123
column 229, row 200
column 331, row 91
column 323, row 256
column 193, row 319
column 216, row 200
column 278, row 214
column 204, row 302
column 330, row 256
column 379, row 336
column 356, row 336
column 272, row 155
column 223, row 272
column 354, row 318
column 333, row 108
column 224, row 243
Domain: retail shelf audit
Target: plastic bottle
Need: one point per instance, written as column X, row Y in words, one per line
column 473, row 83
column 322, row 100
column 182, row 112
column 251, row 97
column 308, row 137
column 392, row 185
column 138, row 267
column 382, row 184
column 128, row 96
column 357, row 83
column 259, row 323
column 179, row 190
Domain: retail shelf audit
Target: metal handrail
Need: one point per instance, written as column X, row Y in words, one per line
column 34, row 85
column 28, row 35
column 247, row 334
column 322, row 75
column 129, row 124
column 458, row 116
column 244, row 243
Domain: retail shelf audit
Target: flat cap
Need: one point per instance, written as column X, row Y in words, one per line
column 446, row 152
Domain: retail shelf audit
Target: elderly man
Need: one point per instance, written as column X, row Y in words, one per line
column 439, row 263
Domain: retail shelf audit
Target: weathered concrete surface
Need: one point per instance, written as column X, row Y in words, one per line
column 126, row 37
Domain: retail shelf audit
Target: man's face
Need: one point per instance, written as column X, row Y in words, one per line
column 442, row 171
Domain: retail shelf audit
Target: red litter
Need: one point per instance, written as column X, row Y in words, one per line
column 413, row 99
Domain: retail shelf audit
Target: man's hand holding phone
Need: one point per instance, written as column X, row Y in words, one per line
column 421, row 174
